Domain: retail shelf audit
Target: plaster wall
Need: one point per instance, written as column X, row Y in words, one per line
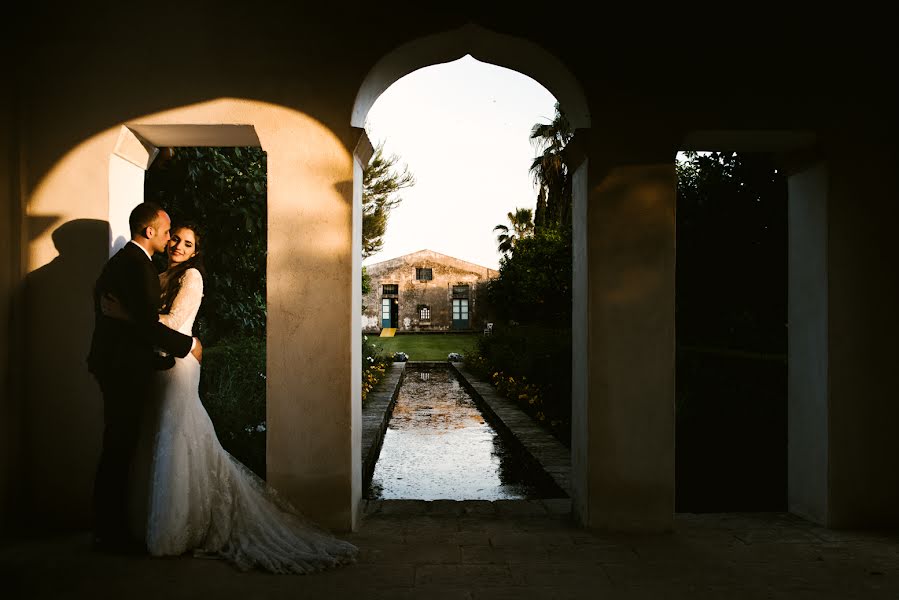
column 630, row 340
column 862, row 327
column 807, row 364
column 300, row 80
column 10, row 220
column 310, row 243
column 580, row 337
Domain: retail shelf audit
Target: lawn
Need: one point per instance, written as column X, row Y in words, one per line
column 426, row 346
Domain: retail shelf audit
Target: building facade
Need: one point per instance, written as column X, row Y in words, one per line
column 426, row 291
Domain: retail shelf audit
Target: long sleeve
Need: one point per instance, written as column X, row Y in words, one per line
column 187, row 301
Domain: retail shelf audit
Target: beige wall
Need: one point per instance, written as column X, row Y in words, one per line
column 630, row 339
column 310, row 173
column 863, row 329
column 843, row 327
column 10, row 217
column 295, row 77
column 807, row 364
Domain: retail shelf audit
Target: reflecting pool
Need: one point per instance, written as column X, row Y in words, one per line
column 439, row 446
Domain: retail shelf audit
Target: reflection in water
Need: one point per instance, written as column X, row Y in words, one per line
column 438, row 446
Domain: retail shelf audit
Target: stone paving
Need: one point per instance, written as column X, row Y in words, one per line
column 477, row 549
column 375, row 416
column 503, row 549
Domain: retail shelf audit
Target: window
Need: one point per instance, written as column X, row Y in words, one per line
column 423, row 274
column 424, row 313
column 390, row 289
column 460, row 291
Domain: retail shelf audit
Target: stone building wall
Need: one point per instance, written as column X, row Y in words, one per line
column 436, row 294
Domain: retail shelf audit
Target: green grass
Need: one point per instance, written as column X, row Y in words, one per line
column 427, row 346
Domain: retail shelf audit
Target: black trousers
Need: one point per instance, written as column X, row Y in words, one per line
column 125, row 394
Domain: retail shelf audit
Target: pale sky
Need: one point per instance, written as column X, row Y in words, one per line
column 462, row 128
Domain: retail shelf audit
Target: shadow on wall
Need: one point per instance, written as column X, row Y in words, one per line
column 63, row 416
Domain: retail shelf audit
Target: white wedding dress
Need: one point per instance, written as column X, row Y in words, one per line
column 200, row 498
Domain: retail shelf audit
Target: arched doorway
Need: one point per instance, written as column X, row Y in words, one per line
column 531, row 60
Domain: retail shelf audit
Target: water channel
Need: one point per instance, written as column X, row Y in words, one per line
column 438, row 445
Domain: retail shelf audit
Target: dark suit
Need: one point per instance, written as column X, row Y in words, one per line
column 122, row 359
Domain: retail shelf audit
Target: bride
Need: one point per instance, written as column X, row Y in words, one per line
column 199, row 498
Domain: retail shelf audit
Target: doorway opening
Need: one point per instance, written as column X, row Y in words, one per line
column 458, row 248
column 731, row 323
column 222, row 191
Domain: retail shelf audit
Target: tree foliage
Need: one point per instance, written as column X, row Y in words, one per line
column 731, row 315
column 550, row 171
column 534, row 283
column 382, row 180
column 223, row 190
column 532, row 295
column 522, row 226
column 731, row 251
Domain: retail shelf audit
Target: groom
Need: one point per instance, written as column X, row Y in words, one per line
column 122, row 359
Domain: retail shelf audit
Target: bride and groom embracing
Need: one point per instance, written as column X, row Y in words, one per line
column 164, row 483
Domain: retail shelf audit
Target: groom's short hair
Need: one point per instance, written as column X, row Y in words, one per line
column 143, row 215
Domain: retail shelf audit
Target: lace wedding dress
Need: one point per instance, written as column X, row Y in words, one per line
column 200, row 498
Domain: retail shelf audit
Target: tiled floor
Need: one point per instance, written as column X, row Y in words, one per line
column 512, row 549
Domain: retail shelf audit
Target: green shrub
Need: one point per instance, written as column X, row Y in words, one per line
column 531, row 365
column 232, row 389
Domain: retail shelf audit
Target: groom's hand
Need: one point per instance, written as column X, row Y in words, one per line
column 198, row 350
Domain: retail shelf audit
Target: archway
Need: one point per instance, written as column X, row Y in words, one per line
column 531, row 60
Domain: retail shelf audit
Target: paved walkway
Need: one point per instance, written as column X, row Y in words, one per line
column 497, row 550
column 376, row 414
column 518, row 549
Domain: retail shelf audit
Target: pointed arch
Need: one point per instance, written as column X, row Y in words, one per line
column 486, row 46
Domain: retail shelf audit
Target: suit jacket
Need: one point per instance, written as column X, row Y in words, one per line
column 118, row 345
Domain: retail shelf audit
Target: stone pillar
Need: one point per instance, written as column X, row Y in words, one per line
column 844, row 293
column 807, row 334
column 623, row 447
column 10, row 281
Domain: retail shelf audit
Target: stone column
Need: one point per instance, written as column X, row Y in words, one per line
column 10, row 329
column 844, row 294
column 623, row 405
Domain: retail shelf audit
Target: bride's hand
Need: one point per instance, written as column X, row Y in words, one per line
column 198, row 351
column 112, row 308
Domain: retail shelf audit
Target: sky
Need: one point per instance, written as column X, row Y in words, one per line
column 462, row 128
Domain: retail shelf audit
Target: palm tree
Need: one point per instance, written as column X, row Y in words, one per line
column 522, row 226
column 550, row 170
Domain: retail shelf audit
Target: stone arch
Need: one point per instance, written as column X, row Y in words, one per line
column 535, row 62
column 484, row 45
column 308, row 184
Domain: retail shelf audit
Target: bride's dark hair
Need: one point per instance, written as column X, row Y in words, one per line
column 176, row 273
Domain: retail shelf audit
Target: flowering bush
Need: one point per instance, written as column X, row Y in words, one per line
column 374, row 366
column 371, row 376
column 532, row 368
